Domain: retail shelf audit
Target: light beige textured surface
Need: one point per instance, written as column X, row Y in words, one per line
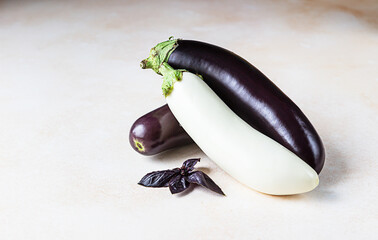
column 71, row 86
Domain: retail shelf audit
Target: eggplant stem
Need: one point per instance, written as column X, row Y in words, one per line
column 159, row 54
column 170, row 76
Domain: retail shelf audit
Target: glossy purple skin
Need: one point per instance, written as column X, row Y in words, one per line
column 253, row 97
column 157, row 131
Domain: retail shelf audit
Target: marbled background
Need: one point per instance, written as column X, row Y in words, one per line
column 71, row 86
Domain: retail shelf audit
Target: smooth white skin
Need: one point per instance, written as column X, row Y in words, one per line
column 243, row 152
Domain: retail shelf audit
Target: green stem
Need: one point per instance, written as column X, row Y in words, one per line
column 170, row 76
column 159, row 54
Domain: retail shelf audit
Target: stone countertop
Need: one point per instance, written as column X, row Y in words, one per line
column 71, row 86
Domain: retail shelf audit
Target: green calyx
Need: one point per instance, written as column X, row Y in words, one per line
column 170, row 76
column 159, row 54
column 157, row 61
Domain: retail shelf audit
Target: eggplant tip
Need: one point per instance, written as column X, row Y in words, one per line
column 139, row 145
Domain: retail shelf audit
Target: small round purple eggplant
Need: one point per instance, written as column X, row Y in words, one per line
column 156, row 132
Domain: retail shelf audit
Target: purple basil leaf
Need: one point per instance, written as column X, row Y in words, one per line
column 202, row 179
column 158, row 178
column 189, row 164
column 178, row 184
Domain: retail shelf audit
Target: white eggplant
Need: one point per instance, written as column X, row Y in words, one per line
column 246, row 154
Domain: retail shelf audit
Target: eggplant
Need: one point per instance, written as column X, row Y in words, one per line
column 254, row 159
column 247, row 92
column 157, row 131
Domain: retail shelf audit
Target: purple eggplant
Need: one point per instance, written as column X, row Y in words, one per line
column 156, row 132
column 247, row 91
